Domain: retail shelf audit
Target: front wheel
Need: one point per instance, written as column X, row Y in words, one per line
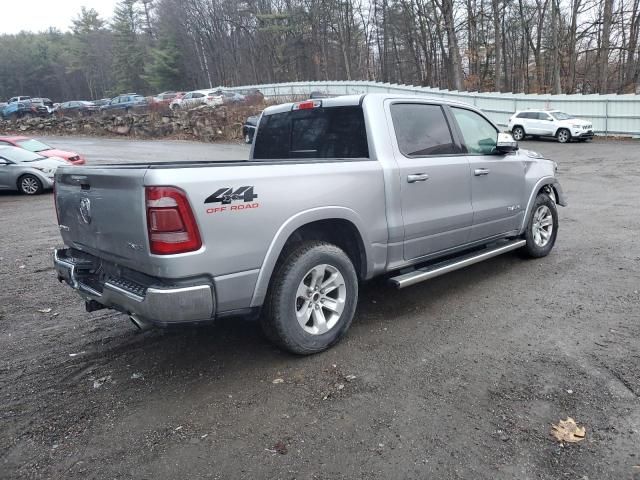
column 563, row 135
column 312, row 299
column 517, row 133
column 30, row 185
column 542, row 227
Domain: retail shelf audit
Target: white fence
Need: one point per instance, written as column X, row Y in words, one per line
column 610, row 114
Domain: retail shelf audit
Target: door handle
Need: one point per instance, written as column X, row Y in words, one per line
column 417, row 177
column 481, row 171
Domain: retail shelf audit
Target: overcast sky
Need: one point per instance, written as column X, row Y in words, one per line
column 38, row 15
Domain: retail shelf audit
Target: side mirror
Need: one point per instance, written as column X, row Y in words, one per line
column 506, row 143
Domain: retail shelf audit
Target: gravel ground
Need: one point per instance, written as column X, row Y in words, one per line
column 459, row 377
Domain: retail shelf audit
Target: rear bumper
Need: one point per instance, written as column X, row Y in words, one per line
column 161, row 305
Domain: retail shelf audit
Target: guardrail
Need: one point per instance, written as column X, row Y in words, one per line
column 610, row 114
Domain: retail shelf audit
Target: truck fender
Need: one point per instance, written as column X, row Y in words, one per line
column 551, row 182
column 291, row 225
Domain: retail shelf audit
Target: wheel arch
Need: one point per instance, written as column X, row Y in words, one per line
column 544, row 185
column 338, row 225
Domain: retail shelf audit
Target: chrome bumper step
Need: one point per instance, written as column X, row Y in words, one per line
column 437, row 269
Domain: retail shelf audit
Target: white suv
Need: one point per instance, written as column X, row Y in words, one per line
column 549, row 123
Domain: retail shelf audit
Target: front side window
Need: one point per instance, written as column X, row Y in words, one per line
column 335, row 132
column 422, row 130
column 479, row 135
column 562, row 116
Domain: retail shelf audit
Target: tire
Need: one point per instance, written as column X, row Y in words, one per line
column 295, row 293
column 517, row 133
column 29, row 185
column 544, row 217
column 563, row 135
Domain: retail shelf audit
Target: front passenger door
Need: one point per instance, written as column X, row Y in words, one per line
column 434, row 179
column 497, row 180
column 545, row 124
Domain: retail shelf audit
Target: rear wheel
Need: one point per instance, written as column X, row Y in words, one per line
column 312, row 299
column 563, row 135
column 517, row 133
column 542, row 227
column 29, row 185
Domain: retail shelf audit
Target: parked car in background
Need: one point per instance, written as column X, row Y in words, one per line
column 318, row 94
column 165, row 98
column 19, row 99
column 100, row 102
column 78, row 108
column 25, row 171
column 125, row 103
column 253, row 96
column 249, row 128
column 195, row 98
column 25, row 109
column 229, row 97
column 36, row 146
column 45, row 102
column 549, row 123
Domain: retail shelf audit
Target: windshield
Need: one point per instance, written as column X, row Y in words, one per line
column 33, row 145
column 18, row 155
column 561, row 116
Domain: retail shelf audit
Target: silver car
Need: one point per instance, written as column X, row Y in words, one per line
column 25, row 171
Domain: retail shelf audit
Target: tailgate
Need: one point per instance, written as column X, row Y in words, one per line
column 102, row 211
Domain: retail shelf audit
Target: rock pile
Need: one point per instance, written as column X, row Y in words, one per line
column 203, row 123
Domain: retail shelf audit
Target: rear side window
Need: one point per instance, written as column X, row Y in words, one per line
column 334, row 132
column 422, row 130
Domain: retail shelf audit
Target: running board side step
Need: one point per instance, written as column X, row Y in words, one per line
column 432, row 271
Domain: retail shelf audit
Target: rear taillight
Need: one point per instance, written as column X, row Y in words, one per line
column 170, row 222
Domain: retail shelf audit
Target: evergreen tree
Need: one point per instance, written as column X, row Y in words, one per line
column 128, row 49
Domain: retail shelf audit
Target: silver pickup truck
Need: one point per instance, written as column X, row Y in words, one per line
column 336, row 191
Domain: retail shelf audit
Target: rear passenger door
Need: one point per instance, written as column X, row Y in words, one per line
column 435, row 184
column 497, row 180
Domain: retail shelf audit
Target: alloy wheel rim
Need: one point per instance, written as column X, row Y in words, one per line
column 542, row 226
column 517, row 134
column 320, row 299
column 29, row 185
column 562, row 136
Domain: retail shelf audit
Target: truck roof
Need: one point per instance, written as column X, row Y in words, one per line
column 352, row 100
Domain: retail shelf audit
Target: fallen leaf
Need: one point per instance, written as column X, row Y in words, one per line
column 568, row 431
column 278, row 380
column 280, row 448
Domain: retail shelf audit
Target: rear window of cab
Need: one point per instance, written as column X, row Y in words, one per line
column 332, row 132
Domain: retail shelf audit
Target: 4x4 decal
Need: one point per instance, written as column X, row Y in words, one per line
column 227, row 195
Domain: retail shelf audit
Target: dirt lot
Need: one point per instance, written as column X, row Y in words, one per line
column 460, row 377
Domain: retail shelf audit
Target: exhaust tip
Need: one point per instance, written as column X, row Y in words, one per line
column 140, row 324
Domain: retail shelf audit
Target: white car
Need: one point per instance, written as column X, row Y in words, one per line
column 549, row 123
column 195, row 98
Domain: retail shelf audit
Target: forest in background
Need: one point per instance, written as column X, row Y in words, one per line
column 531, row 46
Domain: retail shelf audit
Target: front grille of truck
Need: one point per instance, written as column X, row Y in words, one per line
column 129, row 286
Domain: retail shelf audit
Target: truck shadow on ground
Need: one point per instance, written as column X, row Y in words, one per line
column 232, row 340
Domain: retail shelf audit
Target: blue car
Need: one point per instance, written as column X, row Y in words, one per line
column 129, row 101
column 23, row 109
